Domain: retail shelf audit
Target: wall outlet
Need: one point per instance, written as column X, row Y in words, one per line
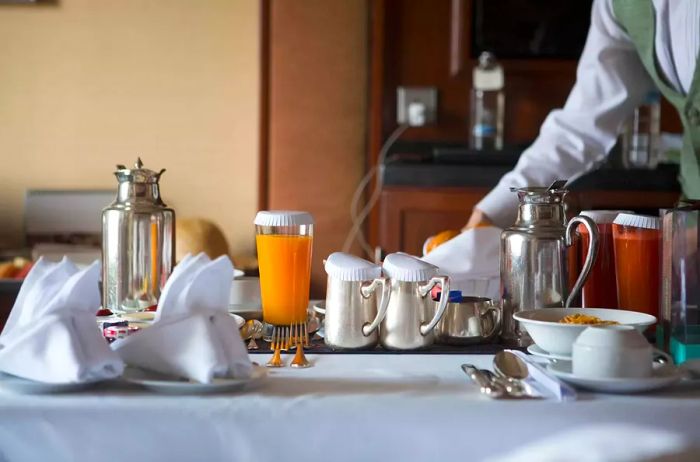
column 427, row 96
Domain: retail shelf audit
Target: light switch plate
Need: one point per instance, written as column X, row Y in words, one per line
column 407, row 95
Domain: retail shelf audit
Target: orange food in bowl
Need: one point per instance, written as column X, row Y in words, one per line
column 439, row 239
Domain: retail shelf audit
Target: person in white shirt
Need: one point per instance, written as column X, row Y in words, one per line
column 633, row 47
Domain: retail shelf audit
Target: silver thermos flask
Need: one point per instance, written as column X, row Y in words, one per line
column 535, row 257
column 138, row 241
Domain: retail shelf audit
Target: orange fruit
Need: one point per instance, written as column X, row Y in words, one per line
column 439, row 239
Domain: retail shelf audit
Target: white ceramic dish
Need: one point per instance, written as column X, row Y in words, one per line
column 663, row 375
column 179, row 386
column 23, row 386
column 549, row 334
column 238, row 273
column 534, row 350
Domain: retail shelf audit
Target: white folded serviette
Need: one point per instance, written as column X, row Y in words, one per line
column 544, row 383
column 192, row 336
column 51, row 334
column 471, row 260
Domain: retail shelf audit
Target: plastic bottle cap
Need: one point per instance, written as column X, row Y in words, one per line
column 638, row 221
column 455, row 296
column 348, row 267
column 603, row 217
column 283, row 218
column 404, row 267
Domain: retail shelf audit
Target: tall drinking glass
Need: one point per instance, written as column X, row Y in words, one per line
column 284, row 241
column 637, row 242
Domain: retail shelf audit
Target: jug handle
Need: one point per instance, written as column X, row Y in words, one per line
column 590, row 257
column 495, row 311
column 366, row 291
column 444, row 282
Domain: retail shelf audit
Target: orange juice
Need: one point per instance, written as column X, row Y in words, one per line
column 285, row 273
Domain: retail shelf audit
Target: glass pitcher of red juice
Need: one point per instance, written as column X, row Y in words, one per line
column 600, row 290
column 637, row 242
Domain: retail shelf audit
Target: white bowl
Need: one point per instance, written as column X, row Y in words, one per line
column 549, row 334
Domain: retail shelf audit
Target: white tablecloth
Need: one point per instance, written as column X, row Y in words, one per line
column 346, row 408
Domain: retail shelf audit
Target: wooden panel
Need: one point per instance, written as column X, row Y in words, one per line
column 317, row 115
column 408, row 216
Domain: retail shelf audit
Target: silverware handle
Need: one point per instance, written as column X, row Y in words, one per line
column 366, row 291
column 495, row 312
column 444, row 282
column 478, row 377
column 592, row 252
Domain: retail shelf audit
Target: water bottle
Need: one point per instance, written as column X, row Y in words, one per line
column 640, row 139
column 487, row 104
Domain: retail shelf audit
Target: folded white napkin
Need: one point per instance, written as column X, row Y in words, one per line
column 544, row 383
column 471, row 260
column 51, row 334
column 192, row 336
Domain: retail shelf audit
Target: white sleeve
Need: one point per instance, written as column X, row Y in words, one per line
column 610, row 83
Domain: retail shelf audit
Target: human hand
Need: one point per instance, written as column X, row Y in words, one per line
column 477, row 219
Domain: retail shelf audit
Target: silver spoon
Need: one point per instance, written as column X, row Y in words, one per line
column 514, row 370
column 487, row 387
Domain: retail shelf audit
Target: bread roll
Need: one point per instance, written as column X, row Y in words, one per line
column 195, row 235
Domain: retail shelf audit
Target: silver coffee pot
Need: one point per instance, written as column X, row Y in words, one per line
column 412, row 315
column 536, row 257
column 352, row 312
column 138, row 241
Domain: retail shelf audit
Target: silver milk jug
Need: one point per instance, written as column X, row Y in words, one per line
column 412, row 315
column 535, row 257
column 353, row 312
column 138, row 241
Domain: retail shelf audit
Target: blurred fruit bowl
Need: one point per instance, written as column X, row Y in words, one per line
column 17, row 269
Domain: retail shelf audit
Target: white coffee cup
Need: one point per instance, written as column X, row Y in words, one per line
column 605, row 352
column 245, row 291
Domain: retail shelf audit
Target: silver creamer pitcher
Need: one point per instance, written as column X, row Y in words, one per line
column 535, row 257
column 138, row 241
column 353, row 309
column 412, row 315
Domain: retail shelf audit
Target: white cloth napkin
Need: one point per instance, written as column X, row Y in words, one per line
column 544, row 383
column 51, row 334
column 471, row 260
column 192, row 336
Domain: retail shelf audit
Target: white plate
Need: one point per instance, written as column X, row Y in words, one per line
column 662, row 376
column 161, row 383
column 239, row 320
column 535, row 350
column 238, row 273
column 31, row 387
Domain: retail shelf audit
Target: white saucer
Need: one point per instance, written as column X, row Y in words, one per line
column 31, row 387
column 161, row 383
column 537, row 351
column 663, row 375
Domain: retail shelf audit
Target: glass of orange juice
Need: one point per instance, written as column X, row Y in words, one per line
column 284, row 241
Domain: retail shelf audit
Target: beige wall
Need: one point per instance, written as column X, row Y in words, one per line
column 86, row 84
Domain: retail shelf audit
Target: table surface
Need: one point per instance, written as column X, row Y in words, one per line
column 346, row 407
